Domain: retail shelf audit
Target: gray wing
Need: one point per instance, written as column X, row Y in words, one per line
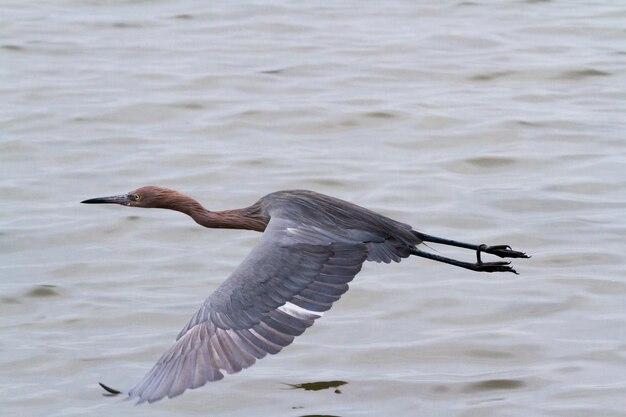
column 289, row 279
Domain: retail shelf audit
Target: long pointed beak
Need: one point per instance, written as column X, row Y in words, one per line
column 123, row 199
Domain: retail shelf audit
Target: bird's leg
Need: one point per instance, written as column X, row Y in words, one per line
column 503, row 251
column 478, row 266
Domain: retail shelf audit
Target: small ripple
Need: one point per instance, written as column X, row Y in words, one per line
column 583, row 188
column 595, row 286
column 380, row 115
column 43, row 291
column 327, row 182
column 529, row 124
column 258, row 162
column 541, row 205
column 583, row 73
column 581, row 259
column 272, row 72
column 490, row 76
column 189, row 105
column 493, row 384
column 440, row 389
column 319, row 415
column 15, row 48
column 138, row 113
column 490, row 354
column 126, row 25
column 490, row 161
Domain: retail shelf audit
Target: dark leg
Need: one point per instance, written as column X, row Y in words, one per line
column 503, row 251
column 478, row 266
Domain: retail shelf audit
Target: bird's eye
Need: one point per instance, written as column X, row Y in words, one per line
column 136, row 197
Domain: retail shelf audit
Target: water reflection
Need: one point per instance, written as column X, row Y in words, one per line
column 320, row 385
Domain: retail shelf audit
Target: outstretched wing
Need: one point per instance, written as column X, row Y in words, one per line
column 289, row 279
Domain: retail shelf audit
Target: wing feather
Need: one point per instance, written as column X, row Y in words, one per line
column 290, row 278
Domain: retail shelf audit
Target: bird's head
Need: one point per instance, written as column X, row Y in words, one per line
column 148, row 197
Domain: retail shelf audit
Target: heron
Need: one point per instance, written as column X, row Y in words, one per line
column 312, row 246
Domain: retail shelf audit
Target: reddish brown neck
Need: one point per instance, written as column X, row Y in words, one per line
column 231, row 219
column 248, row 218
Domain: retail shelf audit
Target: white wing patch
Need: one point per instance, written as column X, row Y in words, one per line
column 299, row 312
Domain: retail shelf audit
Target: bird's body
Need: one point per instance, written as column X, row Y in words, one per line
column 312, row 246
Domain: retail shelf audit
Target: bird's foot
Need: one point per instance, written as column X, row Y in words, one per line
column 503, row 251
column 493, row 267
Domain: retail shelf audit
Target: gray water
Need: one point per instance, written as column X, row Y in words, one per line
column 496, row 122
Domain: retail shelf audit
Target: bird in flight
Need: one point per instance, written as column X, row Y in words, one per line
column 312, row 247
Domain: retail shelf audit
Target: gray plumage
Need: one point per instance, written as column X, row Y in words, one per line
column 312, row 248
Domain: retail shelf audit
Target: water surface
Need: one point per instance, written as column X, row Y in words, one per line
column 481, row 121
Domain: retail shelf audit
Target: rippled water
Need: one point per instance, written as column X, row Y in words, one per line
column 498, row 122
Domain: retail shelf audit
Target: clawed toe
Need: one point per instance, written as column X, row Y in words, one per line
column 495, row 267
column 503, row 251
